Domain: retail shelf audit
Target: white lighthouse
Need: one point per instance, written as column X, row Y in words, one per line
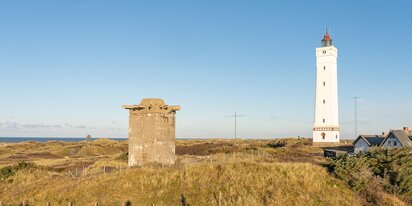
column 326, row 127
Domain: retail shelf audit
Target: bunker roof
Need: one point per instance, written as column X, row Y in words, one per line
column 152, row 102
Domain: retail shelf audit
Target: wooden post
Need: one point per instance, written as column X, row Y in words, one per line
column 1, row 203
column 48, row 204
column 183, row 200
column 211, row 158
column 70, row 204
column 96, row 204
column 104, row 169
column 24, row 203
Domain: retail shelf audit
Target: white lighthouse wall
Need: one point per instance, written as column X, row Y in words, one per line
column 326, row 105
column 330, row 136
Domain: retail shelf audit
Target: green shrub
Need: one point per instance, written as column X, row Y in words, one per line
column 123, row 157
column 381, row 170
column 8, row 171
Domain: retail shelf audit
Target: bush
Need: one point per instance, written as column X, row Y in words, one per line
column 9, row 171
column 6, row 172
column 381, row 170
column 289, row 142
column 123, row 157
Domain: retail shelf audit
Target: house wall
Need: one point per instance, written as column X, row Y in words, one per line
column 389, row 143
column 361, row 146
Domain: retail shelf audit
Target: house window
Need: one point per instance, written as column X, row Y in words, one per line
column 323, row 120
column 395, row 143
column 389, row 143
column 323, row 135
column 324, row 52
column 336, row 136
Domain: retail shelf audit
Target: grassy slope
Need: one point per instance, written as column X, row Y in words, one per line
column 243, row 172
column 243, row 183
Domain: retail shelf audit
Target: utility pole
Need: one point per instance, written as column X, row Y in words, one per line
column 235, row 125
column 356, row 116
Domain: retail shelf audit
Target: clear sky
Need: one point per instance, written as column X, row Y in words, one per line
column 66, row 67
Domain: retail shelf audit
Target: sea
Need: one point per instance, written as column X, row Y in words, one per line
column 45, row 139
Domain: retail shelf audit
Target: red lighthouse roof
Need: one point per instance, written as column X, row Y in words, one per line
column 326, row 41
column 326, row 36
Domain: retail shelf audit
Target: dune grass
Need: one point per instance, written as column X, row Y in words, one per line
column 242, row 183
column 207, row 172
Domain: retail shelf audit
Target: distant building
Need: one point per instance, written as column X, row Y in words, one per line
column 151, row 132
column 364, row 142
column 326, row 127
column 397, row 139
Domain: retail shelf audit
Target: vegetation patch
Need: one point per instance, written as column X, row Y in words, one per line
column 8, row 171
column 377, row 174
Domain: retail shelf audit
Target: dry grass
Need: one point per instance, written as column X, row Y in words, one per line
column 208, row 172
column 242, row 183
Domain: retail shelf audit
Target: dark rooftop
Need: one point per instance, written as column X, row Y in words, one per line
column 374, row 140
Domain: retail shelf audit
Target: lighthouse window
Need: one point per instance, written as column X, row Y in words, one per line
column 324, row 52
column 324, row 67
column 323, row 120
column 324, row 83
column 324, row 101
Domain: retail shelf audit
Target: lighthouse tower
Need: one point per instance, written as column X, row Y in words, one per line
column 326, row 127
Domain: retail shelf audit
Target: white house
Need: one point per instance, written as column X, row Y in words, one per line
column 397, row 139
column 364, row 142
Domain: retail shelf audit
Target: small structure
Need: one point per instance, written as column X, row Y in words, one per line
column 364, row 142
column 397, row 139
column 336, row 151
column 151, row 132
column 333, row 152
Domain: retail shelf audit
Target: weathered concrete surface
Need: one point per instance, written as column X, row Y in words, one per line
column 151, row 132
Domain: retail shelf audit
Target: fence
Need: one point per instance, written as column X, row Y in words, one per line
column 182, row 161
column 183, row 202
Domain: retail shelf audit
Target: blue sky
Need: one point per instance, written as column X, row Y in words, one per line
column 68, row 66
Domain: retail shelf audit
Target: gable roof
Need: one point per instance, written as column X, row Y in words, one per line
column 371, row 140
column 401, row 135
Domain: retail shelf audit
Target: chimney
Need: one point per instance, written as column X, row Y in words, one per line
column 406, row 130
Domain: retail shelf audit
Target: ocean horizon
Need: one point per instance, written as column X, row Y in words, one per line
column 73, row 139
column 46, row 139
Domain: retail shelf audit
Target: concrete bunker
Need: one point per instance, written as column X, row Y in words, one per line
column 152, row 133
